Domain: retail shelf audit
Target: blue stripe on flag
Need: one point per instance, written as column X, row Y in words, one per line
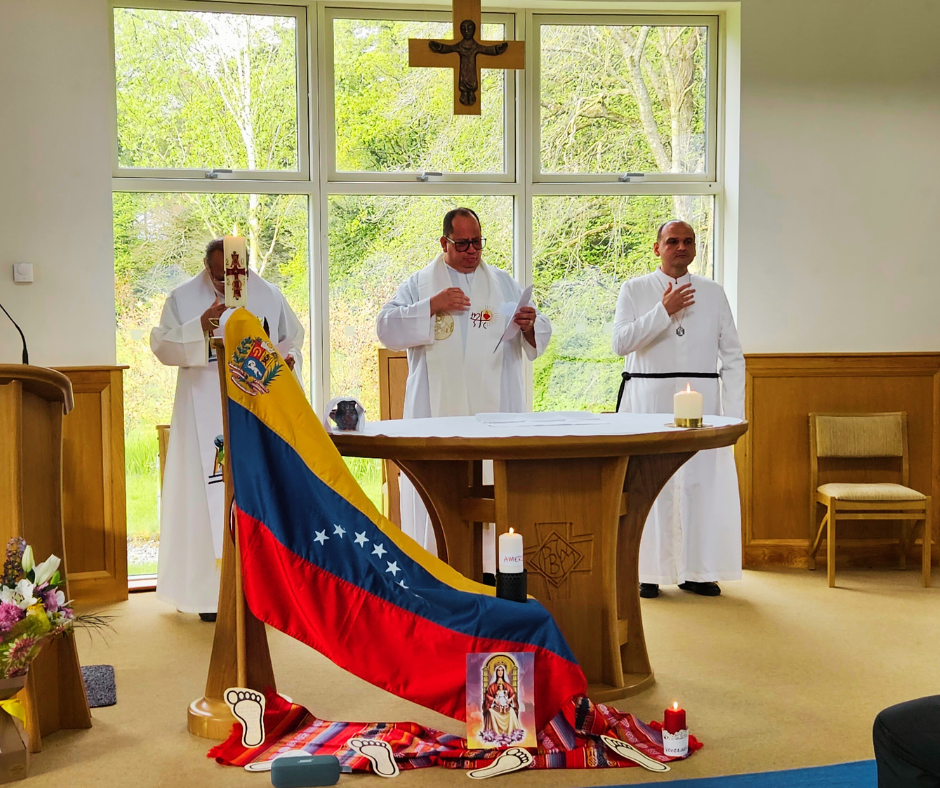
column 320, row 526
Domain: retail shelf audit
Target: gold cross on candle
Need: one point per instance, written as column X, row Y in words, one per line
column 466, row 55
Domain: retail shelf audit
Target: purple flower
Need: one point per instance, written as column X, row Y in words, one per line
column 51, row 599
column 10, row 615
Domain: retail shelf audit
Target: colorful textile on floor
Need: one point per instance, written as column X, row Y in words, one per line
column 570, row 741
column 322, row 564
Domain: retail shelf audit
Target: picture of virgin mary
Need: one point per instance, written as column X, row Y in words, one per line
column 501, row 704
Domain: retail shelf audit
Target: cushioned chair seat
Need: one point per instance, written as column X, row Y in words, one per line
column 870, row 492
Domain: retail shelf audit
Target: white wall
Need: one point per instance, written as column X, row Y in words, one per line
column 840, row 176
column 55, row 180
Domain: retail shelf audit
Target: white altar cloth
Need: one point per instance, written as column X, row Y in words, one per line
column 528, row 425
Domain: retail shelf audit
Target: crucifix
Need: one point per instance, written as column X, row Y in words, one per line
column 235, row 251
column 462, row 55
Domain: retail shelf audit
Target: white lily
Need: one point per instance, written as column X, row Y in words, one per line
column 21, row 596
column 46, row 570
column 28, row 562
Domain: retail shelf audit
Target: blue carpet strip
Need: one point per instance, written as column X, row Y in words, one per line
column 860, row 774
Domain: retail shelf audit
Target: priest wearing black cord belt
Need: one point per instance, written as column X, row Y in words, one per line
column 676, row 329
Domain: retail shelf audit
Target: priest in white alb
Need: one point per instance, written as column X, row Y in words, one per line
column 192, row 501
column 450, row 316
column 676, row 329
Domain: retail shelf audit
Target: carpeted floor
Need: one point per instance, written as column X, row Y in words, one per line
column 780, row 672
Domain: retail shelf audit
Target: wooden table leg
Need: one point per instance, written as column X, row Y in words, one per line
column 646, row 476
column 581, row 520
column 445, row 486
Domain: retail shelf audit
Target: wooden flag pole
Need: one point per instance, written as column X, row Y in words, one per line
column 240, row 654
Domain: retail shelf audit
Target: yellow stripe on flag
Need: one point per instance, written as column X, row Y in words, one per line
column 285, row 411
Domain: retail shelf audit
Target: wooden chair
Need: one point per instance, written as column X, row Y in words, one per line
column 393, row 374
column 848, row 444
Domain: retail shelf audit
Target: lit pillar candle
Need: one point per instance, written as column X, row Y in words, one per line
column 675, row 733
column 674, row 720
column 510, row 553
column 687, row 407
column 235, row 252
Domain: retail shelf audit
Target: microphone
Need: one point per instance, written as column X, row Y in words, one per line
column 25, row 351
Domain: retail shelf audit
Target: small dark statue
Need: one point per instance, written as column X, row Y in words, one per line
column 468, row 48
column 345, row 415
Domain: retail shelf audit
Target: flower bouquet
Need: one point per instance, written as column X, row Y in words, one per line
column 33, row 609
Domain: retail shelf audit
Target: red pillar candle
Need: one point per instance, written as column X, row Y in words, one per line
column 675, row 719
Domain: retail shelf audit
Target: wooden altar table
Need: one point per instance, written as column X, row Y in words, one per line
column 578, row 492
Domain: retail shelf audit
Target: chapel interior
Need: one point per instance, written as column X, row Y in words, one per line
column 807, row 159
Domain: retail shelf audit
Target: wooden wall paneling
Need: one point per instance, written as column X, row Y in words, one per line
column 773, row 459
column 94, row 502
column 393, row 374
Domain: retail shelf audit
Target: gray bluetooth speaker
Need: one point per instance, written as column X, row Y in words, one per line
column 304, row 771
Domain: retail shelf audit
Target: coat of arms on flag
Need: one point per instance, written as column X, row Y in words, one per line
column 254, row 365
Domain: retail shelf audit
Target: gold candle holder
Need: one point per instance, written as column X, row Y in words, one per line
column 688, row 422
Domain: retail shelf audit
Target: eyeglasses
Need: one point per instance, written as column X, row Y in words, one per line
column 462, row 246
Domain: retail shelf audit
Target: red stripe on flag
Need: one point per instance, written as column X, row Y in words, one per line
column 376, row 640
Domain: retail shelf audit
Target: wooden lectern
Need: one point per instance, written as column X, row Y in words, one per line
column 32, row 403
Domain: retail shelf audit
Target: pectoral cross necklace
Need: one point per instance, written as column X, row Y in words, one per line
column 680, row 331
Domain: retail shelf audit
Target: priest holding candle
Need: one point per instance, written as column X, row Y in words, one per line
column 192, row 513
column 683, row 357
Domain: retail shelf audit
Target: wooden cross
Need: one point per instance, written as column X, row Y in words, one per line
column 236, row 270
column 462, row 54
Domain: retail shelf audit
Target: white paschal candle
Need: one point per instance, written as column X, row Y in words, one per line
column 687, row 404
column 235, row 256
column 510, row 553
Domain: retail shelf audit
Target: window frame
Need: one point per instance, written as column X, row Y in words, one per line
column 302, row 103
column 710, row 21
column 330, row 13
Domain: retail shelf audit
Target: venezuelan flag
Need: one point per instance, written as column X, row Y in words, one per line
column 323, row 565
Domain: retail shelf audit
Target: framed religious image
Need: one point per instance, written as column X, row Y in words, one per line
column 501, row 700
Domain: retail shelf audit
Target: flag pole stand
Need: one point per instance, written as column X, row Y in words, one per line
column 240, row 655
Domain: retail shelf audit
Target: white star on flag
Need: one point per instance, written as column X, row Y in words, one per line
column 402, row 584
column 379, row 550
column 361, row 539
column 321, row 537
column 393, row 567
column 338, row 530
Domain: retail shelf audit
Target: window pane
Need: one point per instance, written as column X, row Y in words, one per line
column 159, row 242
column 206, row 90
column 376, row 243
column 394, row 118
column 623, row 99
column 584, row 249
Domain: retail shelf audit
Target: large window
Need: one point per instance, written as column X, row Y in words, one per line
column 611, row 129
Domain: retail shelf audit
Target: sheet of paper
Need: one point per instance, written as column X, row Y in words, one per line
column 512, row 329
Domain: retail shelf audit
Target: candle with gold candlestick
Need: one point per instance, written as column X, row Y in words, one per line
column 235, row 250
column 687, row 407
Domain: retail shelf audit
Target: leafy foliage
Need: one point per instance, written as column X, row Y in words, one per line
column 207, row 89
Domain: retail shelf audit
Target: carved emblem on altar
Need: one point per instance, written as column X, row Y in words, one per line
column 254, row 366
column 559, row 554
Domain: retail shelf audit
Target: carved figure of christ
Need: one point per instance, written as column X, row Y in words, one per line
column 428, row 53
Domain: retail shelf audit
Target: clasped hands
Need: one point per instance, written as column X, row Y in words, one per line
column 210, row 322
column 453, row 299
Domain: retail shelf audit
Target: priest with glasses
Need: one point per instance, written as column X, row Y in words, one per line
column 450, row 316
